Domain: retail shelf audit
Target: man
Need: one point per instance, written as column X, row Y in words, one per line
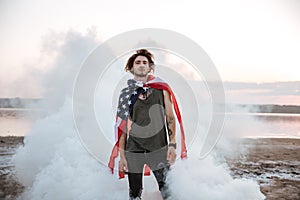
column 148, row 135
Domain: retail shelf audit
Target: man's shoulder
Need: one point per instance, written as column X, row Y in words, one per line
column 124, row 91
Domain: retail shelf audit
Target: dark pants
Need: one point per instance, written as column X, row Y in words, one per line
column 158, row 163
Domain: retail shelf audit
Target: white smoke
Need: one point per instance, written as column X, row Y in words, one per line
column 53, row 164
column 206, row 179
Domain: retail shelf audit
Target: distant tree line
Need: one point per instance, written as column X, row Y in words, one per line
column 279, row 109
column 18, row 102
column 265, row 108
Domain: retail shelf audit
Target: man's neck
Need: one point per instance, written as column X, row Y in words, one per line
column 141, row 78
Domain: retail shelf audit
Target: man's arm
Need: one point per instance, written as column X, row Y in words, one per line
column 122, row 142
column 171, row 126
column 123, row 167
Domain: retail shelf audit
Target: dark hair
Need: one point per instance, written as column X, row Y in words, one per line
column 141, row 52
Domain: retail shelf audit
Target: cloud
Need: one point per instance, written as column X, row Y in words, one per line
column 263, row 93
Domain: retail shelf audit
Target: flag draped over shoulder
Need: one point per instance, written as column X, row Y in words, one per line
column 126, row 102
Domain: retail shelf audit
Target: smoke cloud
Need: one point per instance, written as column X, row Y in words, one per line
column 53, row 164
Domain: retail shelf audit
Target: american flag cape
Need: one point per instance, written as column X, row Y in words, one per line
column 127, row 99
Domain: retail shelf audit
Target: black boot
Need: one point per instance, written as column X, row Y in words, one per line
column 135, row 195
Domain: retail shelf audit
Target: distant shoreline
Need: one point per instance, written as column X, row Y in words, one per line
column 38, row 103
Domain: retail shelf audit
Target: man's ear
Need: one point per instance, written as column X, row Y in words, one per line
column 152, row 67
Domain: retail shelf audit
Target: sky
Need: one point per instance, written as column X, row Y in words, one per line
column 251, row 43
column 254, row 41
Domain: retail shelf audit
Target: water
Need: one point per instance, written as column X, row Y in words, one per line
column 17, row 122
column 261, row 125
column 14, row 126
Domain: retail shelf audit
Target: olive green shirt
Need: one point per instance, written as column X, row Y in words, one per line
column 148, row 130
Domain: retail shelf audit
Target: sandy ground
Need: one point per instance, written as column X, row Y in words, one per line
column 273, row 163
column 9, row 187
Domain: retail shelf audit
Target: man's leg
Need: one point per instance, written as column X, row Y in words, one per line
column 135, row 163
column 135, row 185
column 159, row 165
column 160, row 175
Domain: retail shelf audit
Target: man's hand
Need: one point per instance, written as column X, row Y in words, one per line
column 171, row 155
column 123, row 167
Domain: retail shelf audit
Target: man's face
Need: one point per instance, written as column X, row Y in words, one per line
column 141, row 66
